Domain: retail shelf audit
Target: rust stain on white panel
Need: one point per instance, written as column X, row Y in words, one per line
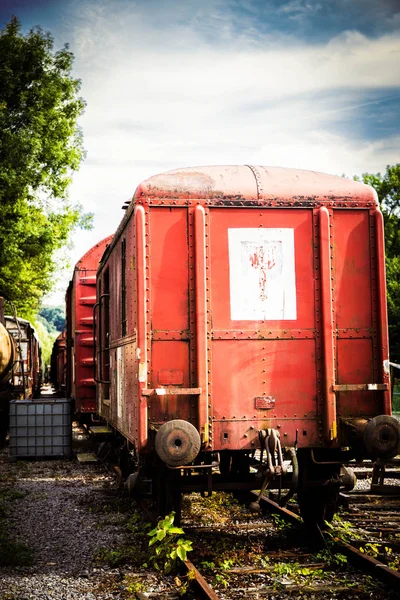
column 142, row 372
column 262, row 274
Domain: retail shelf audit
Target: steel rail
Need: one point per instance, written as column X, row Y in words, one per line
column 357, row 558
column 274, row 507
column 205, row 589
column 369, row 563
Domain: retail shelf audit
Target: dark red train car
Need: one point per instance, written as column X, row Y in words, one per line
column 58, row 366
column 80, row 299
column 241, row 314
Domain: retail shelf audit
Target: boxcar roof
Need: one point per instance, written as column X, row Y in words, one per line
column 82, row 262
column 253, row 184
column 247, row 185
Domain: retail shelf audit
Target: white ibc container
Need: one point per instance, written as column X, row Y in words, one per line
column 40, row 428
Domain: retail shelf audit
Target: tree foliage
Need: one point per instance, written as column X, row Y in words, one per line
column 54, row 317
column 40, row 146
column 387, row 187
column 47, row 336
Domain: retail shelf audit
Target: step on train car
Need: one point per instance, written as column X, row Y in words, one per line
column 241, row 334
column 80, row 299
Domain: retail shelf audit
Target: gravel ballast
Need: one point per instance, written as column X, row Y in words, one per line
column 60, row 510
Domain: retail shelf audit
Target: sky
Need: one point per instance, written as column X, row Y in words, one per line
column 177, row 83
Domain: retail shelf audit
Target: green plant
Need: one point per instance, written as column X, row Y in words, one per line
column 394, row 564
column 284, row 569
column 221, row 580
column 375, row 549
column 341, row 530
column 207, row 564
column 226, row 564
column 335, row 559
column 339, row 559
column 301, row 575
column 168, row 545
column 132, row 585
column 371, row 549
column 280, row 523
column 182, row 585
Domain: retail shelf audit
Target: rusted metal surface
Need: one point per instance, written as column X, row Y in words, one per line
column 244, row 285
column 361, row 387
column 142, row 306
column 272, row 506
column 380, row 473
column 369, row 563
column 81, row 298
column 258, row 184
column 202, row 584
column 382, row 311
column 59, row 363
column 327, row 314
column 357, row 558
column 26, row 367
column 171, row 391
column 201, row 296
column 263, row 334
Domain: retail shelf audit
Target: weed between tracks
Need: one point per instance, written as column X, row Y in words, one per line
column 381, row 545
column 240, row 554
column 161, row 548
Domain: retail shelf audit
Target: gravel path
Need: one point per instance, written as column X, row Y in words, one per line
column 59, row 509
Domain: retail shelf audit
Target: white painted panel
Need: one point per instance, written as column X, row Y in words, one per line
column 262, row 274
column 120, row 380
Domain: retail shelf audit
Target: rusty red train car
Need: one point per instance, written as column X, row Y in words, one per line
column 80, row 299
column 240, row 322
column 26, row 374
column 58, row 363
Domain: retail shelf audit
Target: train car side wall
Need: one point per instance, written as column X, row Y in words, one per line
column 59, row 363
column 117, row 361
column 80, row 301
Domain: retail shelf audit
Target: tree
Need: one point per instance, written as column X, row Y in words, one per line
column 54, row 316
column 387, row 187
column 40, row 146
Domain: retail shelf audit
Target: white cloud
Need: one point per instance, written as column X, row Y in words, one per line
column 164, row 90
column 300, row 8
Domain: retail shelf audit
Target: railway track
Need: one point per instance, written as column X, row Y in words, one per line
column 244, row 557
column 237, row 555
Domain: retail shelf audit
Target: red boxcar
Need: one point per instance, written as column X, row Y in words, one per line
column 58, row 374
column 80, row 299
column 244, row 308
